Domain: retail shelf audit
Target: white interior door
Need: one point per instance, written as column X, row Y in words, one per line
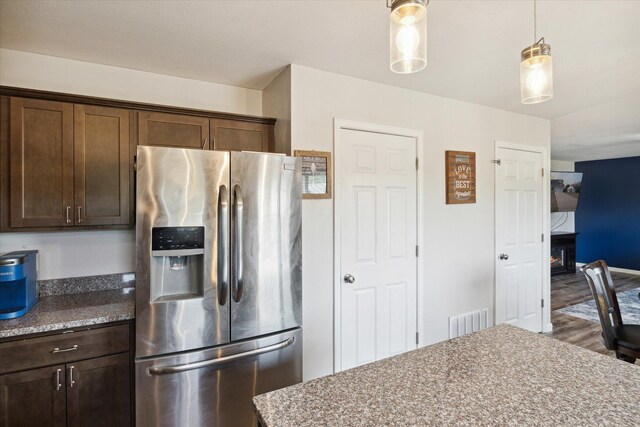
column 519, row 216
column 378, row 238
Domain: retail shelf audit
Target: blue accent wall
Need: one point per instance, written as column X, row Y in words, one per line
column 608, row 213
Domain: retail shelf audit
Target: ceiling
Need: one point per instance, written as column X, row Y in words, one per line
column 473, row 46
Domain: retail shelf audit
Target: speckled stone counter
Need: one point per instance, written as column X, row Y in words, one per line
column 500, row 376
column 73, row 310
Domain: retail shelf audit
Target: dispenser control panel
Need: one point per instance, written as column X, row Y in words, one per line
column 177, row 238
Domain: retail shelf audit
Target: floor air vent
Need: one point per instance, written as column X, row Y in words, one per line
column 467, row 323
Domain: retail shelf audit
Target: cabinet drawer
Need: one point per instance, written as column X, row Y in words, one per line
column 62, row 348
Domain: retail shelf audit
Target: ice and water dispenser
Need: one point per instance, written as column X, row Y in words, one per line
column 177, row 266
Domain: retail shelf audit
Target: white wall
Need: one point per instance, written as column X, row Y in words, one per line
column 83, row 253
column 50, row 73
column 459, row 239
column 76, row 253
column 563, row 221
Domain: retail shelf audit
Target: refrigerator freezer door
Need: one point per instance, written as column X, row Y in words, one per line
column 181, row 293
column 215, row 387
column 266, row 257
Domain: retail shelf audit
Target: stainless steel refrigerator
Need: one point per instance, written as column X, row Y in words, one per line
column 218, row 284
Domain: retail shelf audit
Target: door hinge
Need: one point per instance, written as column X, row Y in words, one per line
column 497, row 161
column 417, row 251
column 542, row 237
column 416, row 163
column 542, row 171
column 417, row 338
column 542, row 303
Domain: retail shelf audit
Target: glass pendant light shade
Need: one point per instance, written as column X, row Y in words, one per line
column 536, row 74
column 408, row 36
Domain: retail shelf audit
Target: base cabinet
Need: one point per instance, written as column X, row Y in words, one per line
column 90, row 392
column 34, row 398
column 98, row 392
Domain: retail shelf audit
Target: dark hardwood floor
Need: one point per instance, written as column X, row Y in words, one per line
column 570, row 289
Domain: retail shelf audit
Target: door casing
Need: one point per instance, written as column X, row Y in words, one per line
column 546, row 269
column 338, row 125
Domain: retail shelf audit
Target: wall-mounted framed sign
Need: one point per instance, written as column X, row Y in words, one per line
column 316, row 174
column 461, row 177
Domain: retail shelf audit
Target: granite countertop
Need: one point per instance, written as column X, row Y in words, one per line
column 500, row 376
column 53, row 312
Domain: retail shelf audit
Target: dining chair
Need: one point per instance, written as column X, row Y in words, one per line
column 616, row 336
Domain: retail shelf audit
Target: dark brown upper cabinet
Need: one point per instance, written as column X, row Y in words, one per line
column 67, row 161
column 173, row 130
column 232, row 135
column 70, row 165
column 203, row 133
column 102, row 152
column 41, row 163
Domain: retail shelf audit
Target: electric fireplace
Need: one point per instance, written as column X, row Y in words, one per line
column 563, row 253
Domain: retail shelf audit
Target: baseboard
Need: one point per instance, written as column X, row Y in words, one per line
column 625, row 270
column 547, row 328
column 616, row 269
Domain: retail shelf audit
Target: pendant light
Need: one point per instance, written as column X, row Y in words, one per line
column 408, row 35
column 536, row 70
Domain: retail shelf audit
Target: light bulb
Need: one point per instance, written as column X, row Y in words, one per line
column 408, row 39
column 537, row 79
column 408, row 36
column 408, row 20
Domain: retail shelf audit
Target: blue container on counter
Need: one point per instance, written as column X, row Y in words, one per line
column 18, row 285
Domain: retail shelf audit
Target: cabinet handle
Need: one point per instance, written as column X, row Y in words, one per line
column 71, row 380
column 68, row 214
column 57, row 350
column 205, row 142
column 79, row 214
column 58, row 383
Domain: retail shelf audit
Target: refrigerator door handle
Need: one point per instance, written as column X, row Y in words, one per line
column 237, row 282
column 223, row 245
column 165, row 370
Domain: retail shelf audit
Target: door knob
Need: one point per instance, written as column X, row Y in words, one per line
column 504, row 256
column 348, row 278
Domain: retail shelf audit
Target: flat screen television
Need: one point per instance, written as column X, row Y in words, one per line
column 565, row 191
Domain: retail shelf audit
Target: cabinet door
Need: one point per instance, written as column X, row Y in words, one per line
column 98, row 392
column 103, row 165
column 41, row 163
column 33, row 398
column 173, row 130
column 231, row 135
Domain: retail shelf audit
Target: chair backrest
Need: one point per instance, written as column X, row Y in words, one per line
column 599, row 278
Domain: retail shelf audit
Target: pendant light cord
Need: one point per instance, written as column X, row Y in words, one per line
column 535, row 33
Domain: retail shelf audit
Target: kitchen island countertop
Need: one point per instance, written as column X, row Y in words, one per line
column 72, row 311
column 500, row 376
